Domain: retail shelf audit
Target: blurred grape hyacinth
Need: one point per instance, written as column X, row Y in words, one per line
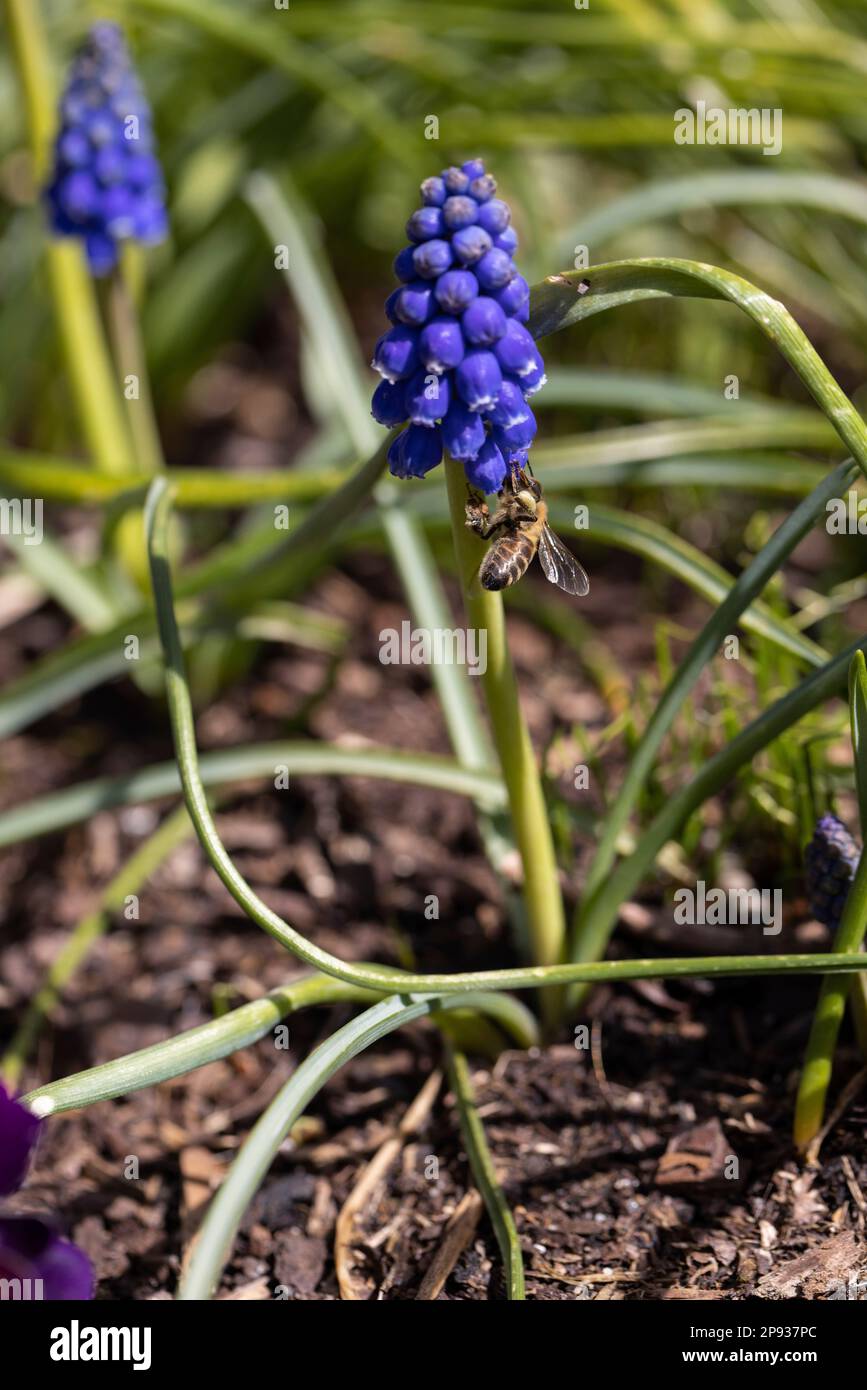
column 107, row 184
column 32, row 1254
column 831, row 858
column 458, row 365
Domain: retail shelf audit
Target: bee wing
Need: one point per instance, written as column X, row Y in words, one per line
column 560, row 566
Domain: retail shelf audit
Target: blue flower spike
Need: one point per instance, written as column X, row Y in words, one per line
column 106, row 185
column 458, row 365
column 831, row 860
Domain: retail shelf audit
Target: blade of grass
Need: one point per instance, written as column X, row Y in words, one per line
column 558, row 302
column 849, row 936
column 485, row 1173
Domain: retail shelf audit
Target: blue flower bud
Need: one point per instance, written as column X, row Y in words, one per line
column 441, row 345
column 433, row 192
column 415, row 452
column 427, row 398
column 460, row 211
column 455, row 180
column 473, row 168
column 396, row 354
column 432, row 258
column 516, row 351
column 494, row 270
column 470, row 244
column 463, row 431
column 483, row 188
column 106, row 185
column 510, row 407
column 831, row 860
column 478, row 379
column 507, row 241
column 487, row 471
column 494, row 216
column 455, row 290
column 483, row 322
column 388, row 406
column 391, row 306
column 404, row 265
column 514, row 297
column 415, row 303
column 533, row 380
column 425, row 224
column 517, row 436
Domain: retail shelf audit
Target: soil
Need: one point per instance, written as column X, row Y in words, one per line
column 650, row 1158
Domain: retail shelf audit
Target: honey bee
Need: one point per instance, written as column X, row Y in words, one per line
column 519, row 528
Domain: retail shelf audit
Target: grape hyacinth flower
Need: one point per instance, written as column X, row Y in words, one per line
column 107, row 184
column 42, row 1264
column 831, row 859
column 458, row 365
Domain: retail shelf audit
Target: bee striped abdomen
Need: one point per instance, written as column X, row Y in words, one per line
column 508, row 561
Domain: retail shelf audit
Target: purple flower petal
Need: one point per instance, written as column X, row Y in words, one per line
column 31, row 1250
column 19, row 1129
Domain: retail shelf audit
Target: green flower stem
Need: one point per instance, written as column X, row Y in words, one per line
column 91, row 374
column 174, row 829
column 819, row 1057
column 129, row 354
column 383, row 978
column 485, row 1173
column 747, row 587
column 546, row 926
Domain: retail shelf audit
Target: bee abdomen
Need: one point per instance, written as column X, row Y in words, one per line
column 506, row 563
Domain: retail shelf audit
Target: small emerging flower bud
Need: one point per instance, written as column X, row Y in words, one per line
column 473, row 168
column 404, row 265
column 415, row 452
column 433, row 192
column 427, row 397
column 396, row 354
column 479, row 379
column 516, row 351
column 415, row 303
column 494, row 216
column 487, row 471
column 441, row 345
column 463, row 431
column 388, row 406
column 432, row 258
column 510, row 407
column 494, row 270
column 425, row 224
column 514, row 297
column 455, row 290
column 460, row 212
column 470, row 244
column 455, row 180
column 831, row 860
column 483, row 322
column 483, row 188
column 507, row 241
